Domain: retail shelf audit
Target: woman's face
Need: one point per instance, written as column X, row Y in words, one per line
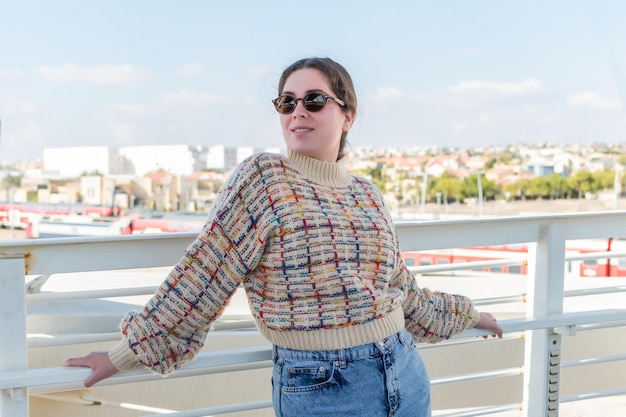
column 314, row 134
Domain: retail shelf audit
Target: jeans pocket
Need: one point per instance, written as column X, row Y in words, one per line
column 306, row 375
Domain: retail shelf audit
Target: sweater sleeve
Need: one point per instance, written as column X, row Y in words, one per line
column 172, row 327
column 432, row 316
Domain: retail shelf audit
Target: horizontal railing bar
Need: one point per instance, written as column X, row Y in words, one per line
column 554, row 320
column 520, row 298
column 45, row 297
column 46, row 255
column 223, row 409
column 209, row 361
column 595, row 255
column 512, row 326
column 480, row 411
column 36, row 341
column 456, row 266
column 205, row 363
column 44, row 341
column 49, row 256
column 598, row 326
column 463, row 341
column 477, row 376
column 124, row 292
column 594, row 291
column 128, row 378
column 443, row 234
column 593, row 361
column 591, row 395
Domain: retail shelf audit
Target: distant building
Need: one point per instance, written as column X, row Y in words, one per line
column 175, row 159
column 70, row 162
column 540, row 166
column 226, row 158
column 222, row 158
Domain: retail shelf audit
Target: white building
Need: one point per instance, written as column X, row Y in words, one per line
column 175, row 159
column 76, row 161
column 71, row 162
column 226, row 158
column 221, row 157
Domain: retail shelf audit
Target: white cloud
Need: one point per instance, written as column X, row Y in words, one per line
column 13, row 107
column 489, row 88
column 29, row 133
column 249, row 100
column 460, row 127
column 12, row 76
column 591, row 101
column 135, row 109
column 485, row 118
column 123, row 134
column 105, row 74
column 386, row 93
column 474, row 94
column 190, row 70
column 471, row 51
column 194, row 98
column 260, row 72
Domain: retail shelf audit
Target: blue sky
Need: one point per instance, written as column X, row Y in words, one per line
column 456, row 73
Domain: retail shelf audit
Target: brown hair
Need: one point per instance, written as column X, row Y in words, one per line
column 338, row 79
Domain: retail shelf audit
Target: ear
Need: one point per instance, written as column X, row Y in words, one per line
column 348, row 121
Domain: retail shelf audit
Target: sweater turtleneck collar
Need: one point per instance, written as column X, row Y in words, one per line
column 333, row 174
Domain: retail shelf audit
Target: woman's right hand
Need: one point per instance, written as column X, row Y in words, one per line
column 99, row 363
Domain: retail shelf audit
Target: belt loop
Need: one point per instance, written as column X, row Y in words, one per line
column 402, row 338
column 342, row 358
column 274, row 353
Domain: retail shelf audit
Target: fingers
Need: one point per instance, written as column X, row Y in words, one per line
column 92, row 380
column 489, row 322
column 99, row 363
column 77, row 362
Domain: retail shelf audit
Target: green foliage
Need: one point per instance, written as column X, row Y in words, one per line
column 376, row 175
column 548, row 188
column 94, row 173
column 12, row 181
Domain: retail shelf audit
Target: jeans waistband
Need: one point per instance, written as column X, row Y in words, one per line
column 369, row 349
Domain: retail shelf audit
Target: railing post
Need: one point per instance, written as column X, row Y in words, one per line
column 13, row 353
column 542, row 348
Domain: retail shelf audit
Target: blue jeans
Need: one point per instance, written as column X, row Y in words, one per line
column 386, row 378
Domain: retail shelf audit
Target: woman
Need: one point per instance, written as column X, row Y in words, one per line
column 316, row 251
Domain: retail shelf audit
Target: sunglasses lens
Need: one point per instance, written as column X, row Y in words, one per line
column 285, row 104
column 314, row 102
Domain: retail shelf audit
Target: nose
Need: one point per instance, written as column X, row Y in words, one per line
column 300, row 111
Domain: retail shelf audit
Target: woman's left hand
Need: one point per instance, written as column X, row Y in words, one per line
column 488, row 322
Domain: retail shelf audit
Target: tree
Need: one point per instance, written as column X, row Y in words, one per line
column 375, row 174
column 581, row 183
column 450, row 187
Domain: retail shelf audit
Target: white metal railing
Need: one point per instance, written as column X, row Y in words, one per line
column 543, row 326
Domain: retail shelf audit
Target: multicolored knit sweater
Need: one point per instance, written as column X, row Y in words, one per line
column 316, row 251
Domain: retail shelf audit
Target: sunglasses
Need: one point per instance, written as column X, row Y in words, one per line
column 313, row 102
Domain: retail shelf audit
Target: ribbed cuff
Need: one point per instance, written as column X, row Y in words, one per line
column 122, row 357
column 475, row 318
